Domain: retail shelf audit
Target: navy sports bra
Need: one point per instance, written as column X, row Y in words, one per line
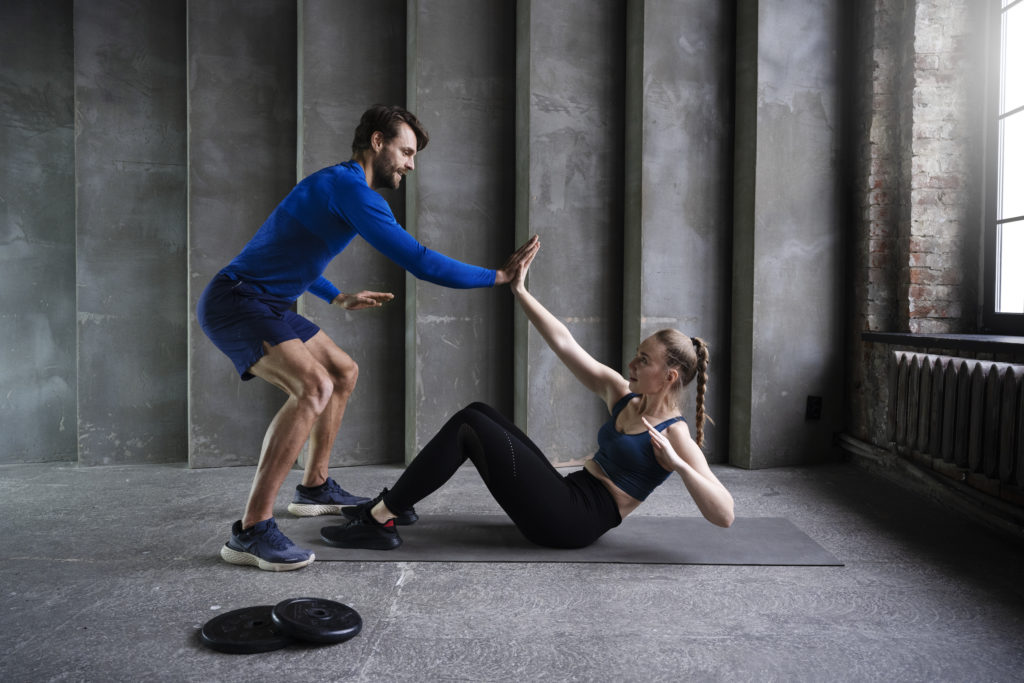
column 628, row 459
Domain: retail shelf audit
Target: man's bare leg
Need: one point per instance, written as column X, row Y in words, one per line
column 344, row 372
column 291, row 367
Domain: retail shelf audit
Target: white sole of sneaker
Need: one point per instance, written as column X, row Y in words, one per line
column 308, row 510
column 235, row 557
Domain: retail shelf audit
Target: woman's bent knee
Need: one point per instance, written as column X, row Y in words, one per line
column 480, row 408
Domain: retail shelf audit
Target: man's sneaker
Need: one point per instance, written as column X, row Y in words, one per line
column 403, row 518
column 326, row 499
column 363, row 532
column 264, row 546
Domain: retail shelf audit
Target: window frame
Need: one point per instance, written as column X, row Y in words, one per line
column 993, row 322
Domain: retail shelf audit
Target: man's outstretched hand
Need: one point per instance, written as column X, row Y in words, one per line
column 355, row 302
column 525, row 253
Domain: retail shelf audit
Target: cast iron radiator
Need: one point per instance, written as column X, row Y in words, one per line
column 961, row 416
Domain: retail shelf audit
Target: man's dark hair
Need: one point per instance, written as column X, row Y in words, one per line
column 387, row 119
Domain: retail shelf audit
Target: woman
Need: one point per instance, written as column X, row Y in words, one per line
column 643, row 442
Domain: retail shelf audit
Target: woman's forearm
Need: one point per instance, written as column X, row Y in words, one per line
column 713, row 500
column 553, row 330
column 596, row 377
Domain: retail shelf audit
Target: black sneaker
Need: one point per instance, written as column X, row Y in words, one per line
column 403, row 518
column 364, row 532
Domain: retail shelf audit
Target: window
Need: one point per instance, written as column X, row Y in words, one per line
column 1005, row 194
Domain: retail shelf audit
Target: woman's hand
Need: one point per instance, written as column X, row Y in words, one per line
column 663, row 450
column 364, row 299
column 507, row 272
column 713, row 500
column 518, row 283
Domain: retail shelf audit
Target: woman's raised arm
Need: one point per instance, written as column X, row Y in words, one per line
column 595, row 376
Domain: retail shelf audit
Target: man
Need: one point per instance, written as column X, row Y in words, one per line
column 246, row 312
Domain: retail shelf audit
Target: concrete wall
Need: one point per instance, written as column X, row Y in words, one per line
column 462, row 203
column 606, row 127
column 38, row 379
column 678, row 177
column 242, row 118
column 570, row 145
column 788, row 268
column 332, row 97
column 130, row 173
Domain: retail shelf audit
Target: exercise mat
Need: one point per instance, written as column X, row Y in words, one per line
column 638, row 540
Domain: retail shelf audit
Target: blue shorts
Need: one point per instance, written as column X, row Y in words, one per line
column 238, row 317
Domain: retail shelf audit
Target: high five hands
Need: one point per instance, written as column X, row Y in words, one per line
column 519, row 259
column 364, row 299
column 516, row 264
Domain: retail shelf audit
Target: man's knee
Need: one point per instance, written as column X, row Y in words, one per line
column 344, row 375
column 317, row 388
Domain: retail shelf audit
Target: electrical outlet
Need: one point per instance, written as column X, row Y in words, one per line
column 814, row 407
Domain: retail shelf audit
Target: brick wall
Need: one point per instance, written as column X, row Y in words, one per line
column 876, row 254
column 938, row 279
column 917, row 226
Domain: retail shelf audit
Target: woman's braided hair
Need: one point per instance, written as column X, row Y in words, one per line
column 691, row 356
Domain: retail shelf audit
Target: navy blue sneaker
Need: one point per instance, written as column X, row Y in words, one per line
column 402, row 518
column 264, row 546
column 326, row 499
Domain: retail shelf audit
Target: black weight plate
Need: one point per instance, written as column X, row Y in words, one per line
column 316, row 620
column 244, row 632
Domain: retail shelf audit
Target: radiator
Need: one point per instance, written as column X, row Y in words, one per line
column 964, row 412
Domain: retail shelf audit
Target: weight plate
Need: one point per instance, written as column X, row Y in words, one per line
column 244, row 631
column 316, row 620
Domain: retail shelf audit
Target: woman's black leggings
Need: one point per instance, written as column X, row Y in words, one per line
column 549, row 509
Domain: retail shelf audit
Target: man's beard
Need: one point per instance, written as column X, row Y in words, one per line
column 384, row 175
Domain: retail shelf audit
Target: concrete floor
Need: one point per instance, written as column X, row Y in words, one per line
column 107, row 574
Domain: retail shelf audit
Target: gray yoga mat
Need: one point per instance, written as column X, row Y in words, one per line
column 639, row 540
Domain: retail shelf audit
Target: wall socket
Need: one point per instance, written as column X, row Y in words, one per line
column 814, row 407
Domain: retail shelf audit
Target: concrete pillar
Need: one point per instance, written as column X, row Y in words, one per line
column 788, row 269
column 37, row 233
column 352, row 55
column 131, row 210
column 242, row 151
column 569, row 178
column 460, row 201
column 678, row 170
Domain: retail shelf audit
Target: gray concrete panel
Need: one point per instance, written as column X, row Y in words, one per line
column 678, row 215
column 37, row 233
column 744, row 192
column 352, row 55
column 571, row 132
column 131, row 211
column 242, row 150
column 794, row 341
column 461, row 85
